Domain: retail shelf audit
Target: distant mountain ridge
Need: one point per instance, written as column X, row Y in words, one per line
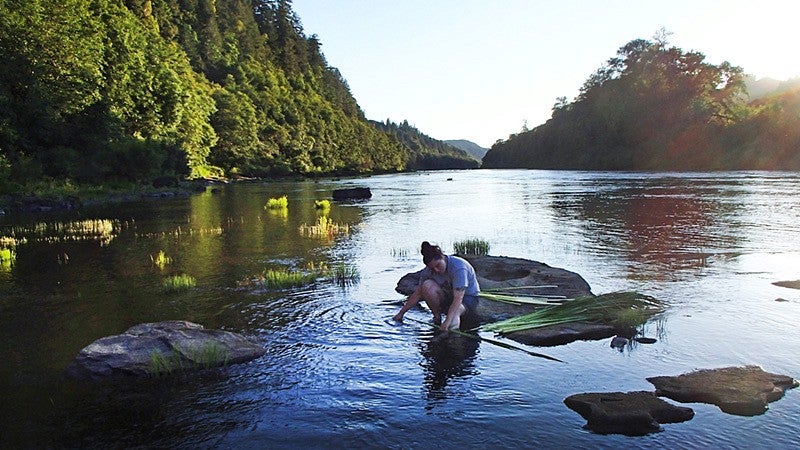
column 471, row 148
column 765, row 87
column 425, row 152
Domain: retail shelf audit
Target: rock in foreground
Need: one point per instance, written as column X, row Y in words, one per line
column 743, row 391
column 155, row 348
column 628, row 413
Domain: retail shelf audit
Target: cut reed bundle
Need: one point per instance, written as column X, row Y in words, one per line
column 519, row 299
column 616, row 308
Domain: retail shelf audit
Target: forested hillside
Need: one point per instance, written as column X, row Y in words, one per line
column 99, row 90
column 471, row 148
column 656, row 107
column 426, row 152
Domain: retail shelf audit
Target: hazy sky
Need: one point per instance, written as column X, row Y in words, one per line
column 478, row 69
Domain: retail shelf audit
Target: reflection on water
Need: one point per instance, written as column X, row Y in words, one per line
column 447, row 357
column 335, row 373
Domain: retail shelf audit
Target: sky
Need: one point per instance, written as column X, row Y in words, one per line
column 482, row 69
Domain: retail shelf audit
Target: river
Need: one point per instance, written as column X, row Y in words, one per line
column 337, row 372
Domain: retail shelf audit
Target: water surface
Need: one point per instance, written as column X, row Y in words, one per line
column 337, row 374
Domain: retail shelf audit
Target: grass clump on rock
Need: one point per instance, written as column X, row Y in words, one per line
column 205, row 356
column 477, row 247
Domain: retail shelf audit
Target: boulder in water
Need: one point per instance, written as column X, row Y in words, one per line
column 629, row 413
column 743, row 391
column 157, row 348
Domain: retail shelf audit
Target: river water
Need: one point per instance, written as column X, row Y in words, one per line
column 338, row 373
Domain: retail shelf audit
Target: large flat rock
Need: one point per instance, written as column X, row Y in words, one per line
column 629, row 413
column 743, row 391
column 495, row 272
column 158, row 348
column 502, row 272
column 564, row 334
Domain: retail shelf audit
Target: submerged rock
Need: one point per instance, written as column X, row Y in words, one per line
column 158, row 348
column 359, row 193
column 743, row 391
column 628, row 413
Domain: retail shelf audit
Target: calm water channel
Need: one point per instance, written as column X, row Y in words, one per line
column 336, row 374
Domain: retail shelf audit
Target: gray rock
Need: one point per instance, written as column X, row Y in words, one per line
column 794, row 284
column 504, row 272
column 743, row 391
column 619, row 342
column 358, row 193
column 495, row 272
column 563, row 334
column 157, row 348
column 629, row 413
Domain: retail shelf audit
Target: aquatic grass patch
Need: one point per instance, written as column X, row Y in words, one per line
column 471, row 247
column 616, row 308
column 8, row 252
column 178, row 283
column 325, row 227
column 277, row 203
column 400, row 253
column 103, row 231
column 345, row 274
column 285, row 278
column 161, row 260
column 7, row 258
column 322, row 206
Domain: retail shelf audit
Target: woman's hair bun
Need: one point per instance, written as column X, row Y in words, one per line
column 430, row 252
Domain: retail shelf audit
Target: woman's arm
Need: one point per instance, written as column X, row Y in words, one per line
column 411, row 302
column 455, row 309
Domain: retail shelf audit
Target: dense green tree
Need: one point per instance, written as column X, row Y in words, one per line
column 656, row 107
column 97, row 90
column 426, row 153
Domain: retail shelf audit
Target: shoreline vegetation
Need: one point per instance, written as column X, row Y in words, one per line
column 116, row 101
column 128, row 92
column 51, row 195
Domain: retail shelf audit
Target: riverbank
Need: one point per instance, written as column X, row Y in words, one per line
column 64, row 195
column 46, row 198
